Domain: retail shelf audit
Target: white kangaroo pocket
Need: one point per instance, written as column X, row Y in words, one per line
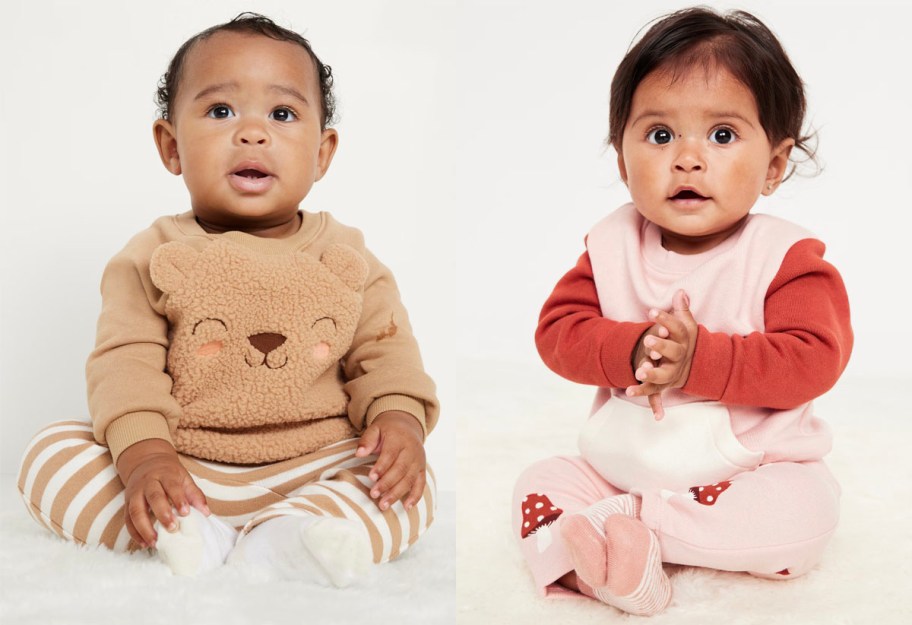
column 693, row 445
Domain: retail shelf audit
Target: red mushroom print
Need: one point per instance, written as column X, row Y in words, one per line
column 538, row 514
column 707, row 495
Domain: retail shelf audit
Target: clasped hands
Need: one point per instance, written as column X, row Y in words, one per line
column 664, row 353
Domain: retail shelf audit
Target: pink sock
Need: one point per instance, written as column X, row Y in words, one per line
column 587, row 528
column 621, row 566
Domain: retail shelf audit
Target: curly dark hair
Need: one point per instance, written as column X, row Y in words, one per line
column 257, row 24
column 737, row 41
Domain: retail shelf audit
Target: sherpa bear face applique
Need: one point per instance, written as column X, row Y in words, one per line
column 250, row 333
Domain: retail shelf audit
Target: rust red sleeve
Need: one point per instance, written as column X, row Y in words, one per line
column 576, row 342
column 801, row 354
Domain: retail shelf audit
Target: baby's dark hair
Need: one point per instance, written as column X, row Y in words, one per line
column 251, row 23
column 737, row 41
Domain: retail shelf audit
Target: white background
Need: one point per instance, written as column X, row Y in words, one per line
column 471, row 156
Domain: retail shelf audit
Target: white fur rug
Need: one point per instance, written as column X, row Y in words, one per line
column 480, row 578
column 865, row 577
column 46, row 581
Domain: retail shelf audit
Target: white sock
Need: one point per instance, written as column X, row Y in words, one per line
column 322, row 550
column 200, row 543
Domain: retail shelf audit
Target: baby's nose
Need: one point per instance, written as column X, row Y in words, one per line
column 251, row 132
column 689, row 157
column 259, row 140
column 266, row 342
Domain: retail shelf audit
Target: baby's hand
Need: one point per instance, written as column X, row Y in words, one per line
column 155, row 479
column 399, row 472
column 667, row 353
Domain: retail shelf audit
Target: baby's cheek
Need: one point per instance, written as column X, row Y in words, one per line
column 321, row 350
column 209, row 349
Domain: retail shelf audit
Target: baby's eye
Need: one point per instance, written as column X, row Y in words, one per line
column 220, row 111
column 659, row 136
column 723, row 136
column 283, row 114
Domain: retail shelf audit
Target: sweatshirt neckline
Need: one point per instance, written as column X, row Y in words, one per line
column 673, row 262
column 311, row 225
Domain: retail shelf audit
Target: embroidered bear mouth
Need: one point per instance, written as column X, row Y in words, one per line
column 264, row 360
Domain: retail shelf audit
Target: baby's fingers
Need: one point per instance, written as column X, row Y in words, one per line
column 388, row 480
column 661, row 375
column 131, row 530
column 370, row 442
column 655, row 402
column 186, row 491
column 642, row 371
column 417, row 491
column 161, row 506
column 384, row 461
column 399, row 490
column 175, row 489
column 657, row 375
column 196, row 497
column 643, row 390
column 664, row 348
column 138, row 513
column 677, row 331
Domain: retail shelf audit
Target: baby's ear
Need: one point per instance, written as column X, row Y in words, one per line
column 171, row 264
column 347, row 264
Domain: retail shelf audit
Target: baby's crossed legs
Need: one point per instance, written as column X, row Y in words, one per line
column 70, row 486
column 772, row 522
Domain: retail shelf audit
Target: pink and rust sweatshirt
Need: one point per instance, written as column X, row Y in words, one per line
column 774, row 333
column 242, row 349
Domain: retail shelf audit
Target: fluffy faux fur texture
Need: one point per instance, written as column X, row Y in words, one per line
column 45, row 580
column 863, row 578
column 255, row 344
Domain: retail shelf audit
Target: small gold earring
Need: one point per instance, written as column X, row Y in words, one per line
column 769, row 186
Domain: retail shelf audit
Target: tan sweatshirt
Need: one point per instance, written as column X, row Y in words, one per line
column 242, row 349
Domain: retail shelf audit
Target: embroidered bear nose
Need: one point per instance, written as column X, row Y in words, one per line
column 266, row 342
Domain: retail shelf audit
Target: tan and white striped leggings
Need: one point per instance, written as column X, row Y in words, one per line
column 70, row 486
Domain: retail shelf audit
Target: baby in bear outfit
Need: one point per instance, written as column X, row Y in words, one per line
column 256, row 393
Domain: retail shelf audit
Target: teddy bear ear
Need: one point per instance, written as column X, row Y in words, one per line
column 347, row 264
column 171, row 264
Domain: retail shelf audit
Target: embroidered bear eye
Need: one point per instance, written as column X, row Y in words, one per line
column 209, row 325
column 209, row 335
column 324, row 324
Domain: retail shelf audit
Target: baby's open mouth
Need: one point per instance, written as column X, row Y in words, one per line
column 250, row 173
column 251, row 178
column 688, row 194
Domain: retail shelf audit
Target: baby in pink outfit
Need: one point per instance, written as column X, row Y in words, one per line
column 708, row 330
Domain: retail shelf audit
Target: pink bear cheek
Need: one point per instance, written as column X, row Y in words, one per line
column 321, row 350
column 209, row 349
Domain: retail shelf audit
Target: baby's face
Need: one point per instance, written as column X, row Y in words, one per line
column 245, row 130
column 695, row 157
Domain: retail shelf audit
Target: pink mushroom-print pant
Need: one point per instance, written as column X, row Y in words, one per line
column 774, row 521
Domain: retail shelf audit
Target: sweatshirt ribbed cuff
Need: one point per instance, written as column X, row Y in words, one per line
column 624, row 340
column 134, row 427
column 711, row 366
column 397, row 402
